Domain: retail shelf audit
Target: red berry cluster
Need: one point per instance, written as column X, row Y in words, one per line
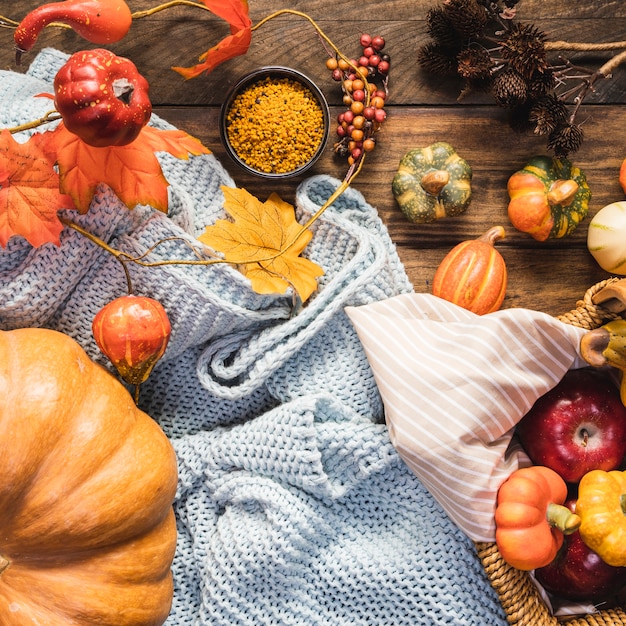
column 364, row 99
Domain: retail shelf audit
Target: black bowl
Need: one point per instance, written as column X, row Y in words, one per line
column 273, row 73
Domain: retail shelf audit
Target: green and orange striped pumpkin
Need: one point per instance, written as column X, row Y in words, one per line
column 549, row 197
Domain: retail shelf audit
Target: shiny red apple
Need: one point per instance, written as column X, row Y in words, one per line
column 577, row 426
column 578, row 574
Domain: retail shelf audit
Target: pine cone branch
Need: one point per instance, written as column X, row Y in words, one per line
column 480, row 42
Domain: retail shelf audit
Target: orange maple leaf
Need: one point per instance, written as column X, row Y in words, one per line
column 132, row 171
column 235, row 12
column 265, row 241
column 29, row 192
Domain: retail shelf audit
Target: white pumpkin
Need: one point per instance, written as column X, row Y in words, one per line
column 606, row 238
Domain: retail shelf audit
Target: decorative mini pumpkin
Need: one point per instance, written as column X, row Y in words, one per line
column 87, row 528
column 606, row 238
column 133, row 332
column 548, row 198
column 601, row 505
column 432, row 182
column 531, row 518
column 473, row 274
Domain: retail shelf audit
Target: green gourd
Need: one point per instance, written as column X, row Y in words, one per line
column 432, row 182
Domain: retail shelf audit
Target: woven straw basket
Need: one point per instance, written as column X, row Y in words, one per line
column 518, row 594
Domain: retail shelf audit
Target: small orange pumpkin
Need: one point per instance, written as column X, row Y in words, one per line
column 87, row 527
column 531, row 518
column 473, row 274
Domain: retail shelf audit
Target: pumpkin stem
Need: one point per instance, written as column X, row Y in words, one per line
column 593, row 344
column 559, row 516
column 492, row 235
column 562, row 192
column 434, row 181
column 4, row 563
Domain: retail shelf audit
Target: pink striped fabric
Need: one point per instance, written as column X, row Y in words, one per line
column 454, row 384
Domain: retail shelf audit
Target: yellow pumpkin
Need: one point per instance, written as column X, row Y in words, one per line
column 87, row 528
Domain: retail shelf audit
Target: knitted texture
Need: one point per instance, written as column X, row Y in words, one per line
column 293, row 507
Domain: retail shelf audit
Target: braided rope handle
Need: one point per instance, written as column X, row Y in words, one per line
column 588, row 314
column 518, row 595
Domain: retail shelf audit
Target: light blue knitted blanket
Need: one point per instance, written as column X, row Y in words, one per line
column 293, row 507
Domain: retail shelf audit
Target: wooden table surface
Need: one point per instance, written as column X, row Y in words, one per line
column 549, row 276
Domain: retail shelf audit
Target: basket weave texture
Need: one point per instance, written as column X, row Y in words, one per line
column 518, row 594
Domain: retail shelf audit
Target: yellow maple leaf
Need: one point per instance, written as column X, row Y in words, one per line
column 265, row 241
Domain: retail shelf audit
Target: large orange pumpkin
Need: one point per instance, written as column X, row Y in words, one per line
column 87, row 528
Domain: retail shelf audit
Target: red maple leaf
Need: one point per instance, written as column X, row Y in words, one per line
column 29, row 192
column 235, row 12
column 132, row 171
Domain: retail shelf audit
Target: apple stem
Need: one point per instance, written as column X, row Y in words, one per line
column 559, row 516
column 585, row 434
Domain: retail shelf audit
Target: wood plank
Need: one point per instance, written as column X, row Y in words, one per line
column 176, row 37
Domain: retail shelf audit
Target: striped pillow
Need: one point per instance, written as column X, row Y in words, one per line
column 454, row 384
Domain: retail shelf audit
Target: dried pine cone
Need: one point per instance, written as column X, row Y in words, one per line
column 541, row 83
column 565, row 138
column 440, row 28
column 475, row 63
column 467, row 17
column 509, row 88
column 437, row 60
column 523, row 47
column 547, row 113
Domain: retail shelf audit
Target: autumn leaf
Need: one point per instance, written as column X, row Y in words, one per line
column 29, row 192
column 235, row 12
column 132, row 171
column 265, row 241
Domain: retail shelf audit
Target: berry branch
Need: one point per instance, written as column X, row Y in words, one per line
column 169, row 5
column 50, row 116
column 124, row 258
column 6, row 22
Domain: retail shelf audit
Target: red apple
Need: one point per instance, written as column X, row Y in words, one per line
column 577, row 426
column 578, row 574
